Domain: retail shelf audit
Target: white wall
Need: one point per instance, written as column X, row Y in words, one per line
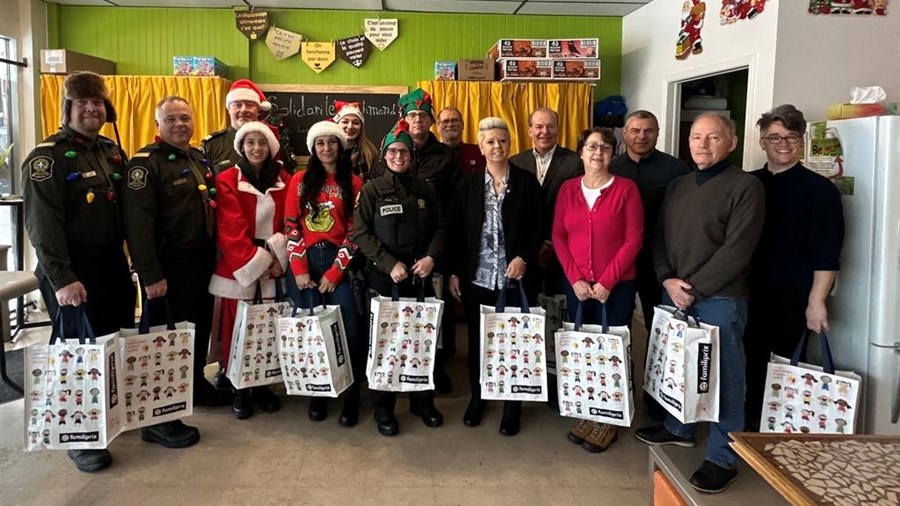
column 648, row 62
column 819, row 58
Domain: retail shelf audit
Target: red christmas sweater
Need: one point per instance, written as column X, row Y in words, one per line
column 304, row 229
column 245, row 215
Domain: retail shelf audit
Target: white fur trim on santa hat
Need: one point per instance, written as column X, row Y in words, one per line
column 245, row 89
column 347, row 110
column 325, row 129
column 257, row 126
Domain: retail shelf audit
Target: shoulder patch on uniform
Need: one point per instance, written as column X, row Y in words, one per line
column 46, row 144
column 40, row 168
column 137, row 177
column 391, row 209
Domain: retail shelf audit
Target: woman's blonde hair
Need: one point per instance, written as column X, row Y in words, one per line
column 490, row 123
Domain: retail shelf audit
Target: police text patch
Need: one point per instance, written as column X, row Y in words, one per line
column 137, row 178
column 41, row 168
column 393, row 209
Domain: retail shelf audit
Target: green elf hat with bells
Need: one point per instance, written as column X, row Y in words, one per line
column 416, row 100
column 400, row 133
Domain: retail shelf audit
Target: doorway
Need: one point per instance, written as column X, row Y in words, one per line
column 724, row 93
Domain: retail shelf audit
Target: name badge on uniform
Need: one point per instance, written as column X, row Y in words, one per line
column 393, row 209
column 90, row 173
column 179, row 182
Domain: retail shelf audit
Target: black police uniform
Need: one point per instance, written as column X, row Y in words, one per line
column 169, row 216
column 386, row 236
column 71, row 187
column 218, row 147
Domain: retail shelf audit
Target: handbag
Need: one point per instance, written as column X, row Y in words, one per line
column 809, row 399
column 595, row 374
column 403, row 339
column 70, row 391
column 313, row 352
column 157, row 371
column 682, row 367
column 513, row 351
column 254, row 357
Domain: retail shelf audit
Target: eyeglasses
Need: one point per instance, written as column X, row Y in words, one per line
column 593, row 146
column 789, row 138
column 398, row 152
column 414, row 115
column 448, row 122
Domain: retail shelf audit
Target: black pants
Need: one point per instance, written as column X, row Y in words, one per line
column 448, row 328
column 775, row 324
column 473, row 296
column 187, row 275
column 110, row 292
column 382, row 284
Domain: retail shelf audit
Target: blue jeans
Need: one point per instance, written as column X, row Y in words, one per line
column 730, row 315
column 619, row 305
column 321, row 257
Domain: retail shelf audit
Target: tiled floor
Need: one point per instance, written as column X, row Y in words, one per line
column 283, row 458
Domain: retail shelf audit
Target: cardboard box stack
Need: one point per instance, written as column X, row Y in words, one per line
column 63, row 61
column 546, row 59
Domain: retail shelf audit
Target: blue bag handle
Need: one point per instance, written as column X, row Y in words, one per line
column 579, row 317
column 501, row 297
column 827, row 359
column 84, row 332
column 258, row 295
column 420, row 297
column 144, row 324
column 309, row 298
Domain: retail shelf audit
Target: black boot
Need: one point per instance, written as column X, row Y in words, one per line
column 174, row 434
column 221, row 381
column 90, row 461
column 350, row 412
column 512, row 413
column 241, row 407
column 266, row 399
column 318, row 409
column 472, row 417
column 425, row 408
column 384, row 413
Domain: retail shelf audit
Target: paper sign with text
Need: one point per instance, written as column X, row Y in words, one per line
column 381, row 32
column 318, row 55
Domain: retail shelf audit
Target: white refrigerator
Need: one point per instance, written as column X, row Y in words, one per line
column 864, row 308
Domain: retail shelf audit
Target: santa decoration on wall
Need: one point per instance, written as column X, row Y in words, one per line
column 689, row 40
column 734, row 10
column 862, row 7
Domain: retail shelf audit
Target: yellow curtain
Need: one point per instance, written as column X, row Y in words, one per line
column 135, row 98
column 513, row 102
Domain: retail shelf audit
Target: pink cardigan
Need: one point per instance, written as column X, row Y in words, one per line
column 600, row 244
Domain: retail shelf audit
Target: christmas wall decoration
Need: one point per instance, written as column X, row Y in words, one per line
column 381, row 31
column 734, row 10
column 862, row 7
column 282, row 43
column 354, row 50
column 689, row 40
column 253, row 23
column 318, row 55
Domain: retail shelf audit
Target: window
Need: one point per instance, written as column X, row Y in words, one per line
column 7, row 99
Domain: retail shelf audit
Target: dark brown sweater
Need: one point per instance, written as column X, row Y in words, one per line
column 706, row 233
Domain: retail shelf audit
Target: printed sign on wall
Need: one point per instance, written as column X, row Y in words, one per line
column 318, row 55
column 382, row 31
column 354, row 50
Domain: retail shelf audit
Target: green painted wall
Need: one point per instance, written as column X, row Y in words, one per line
column 142, row 41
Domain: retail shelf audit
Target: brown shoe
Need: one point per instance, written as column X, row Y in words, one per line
column 581, row 431
column 600, row 438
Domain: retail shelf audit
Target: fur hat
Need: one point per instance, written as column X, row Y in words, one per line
column 85, row 85
column 416, row 100
column 325, row 128
column 400, row 133
column 245, row 89
column 345, row 108
column 263, row 128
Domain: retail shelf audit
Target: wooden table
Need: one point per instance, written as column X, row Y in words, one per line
column 825, row 469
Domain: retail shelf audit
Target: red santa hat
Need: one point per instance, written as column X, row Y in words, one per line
column 325, row 128
column 346, row 108
column 245, row 89
column 263, row 128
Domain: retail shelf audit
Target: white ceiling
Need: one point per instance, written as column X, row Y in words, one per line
column 615, row 8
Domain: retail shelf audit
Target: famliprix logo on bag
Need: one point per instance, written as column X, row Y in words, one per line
column 704, row 357
column 338, row 349
column 527, row 389
column 79, row 437
column 617, row 415
column 171, row 408
column 113, row 381
column 416, row 380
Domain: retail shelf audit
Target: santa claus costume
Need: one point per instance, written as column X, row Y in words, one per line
column 252, row 248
